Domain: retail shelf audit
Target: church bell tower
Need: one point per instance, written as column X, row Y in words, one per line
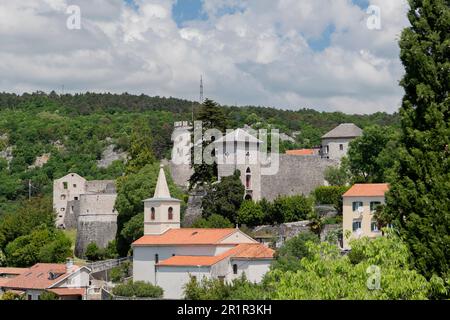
column 162, row 212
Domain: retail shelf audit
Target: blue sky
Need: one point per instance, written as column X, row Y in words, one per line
column 184, row 11
column 281, row 53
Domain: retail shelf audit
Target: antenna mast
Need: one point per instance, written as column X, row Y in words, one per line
column 201, row 89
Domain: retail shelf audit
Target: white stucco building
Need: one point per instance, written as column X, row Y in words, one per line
column 336, row 142
column 167, row 255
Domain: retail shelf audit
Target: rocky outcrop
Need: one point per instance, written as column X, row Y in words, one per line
column 110, row 155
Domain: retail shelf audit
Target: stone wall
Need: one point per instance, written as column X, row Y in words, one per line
column 296, row 175
column 194, row 208
column 98, row 229
column 97, row 221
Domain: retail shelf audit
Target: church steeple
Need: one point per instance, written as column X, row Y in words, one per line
column 162, row 189
column 162, row 212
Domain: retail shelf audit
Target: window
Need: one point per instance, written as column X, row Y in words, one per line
column 63, row 209
column 65, row 185
column 374, row 226
column 156, row 258
column 75, row 198
column 30, row 297
column 74, row 185
column 63, row 197
column 374, row 205
column 248, row 179
column 170, row 213
column 152, row 214
column 327, row 148
column 341, row 147
column 235, row 268
column 357, row 205
column 356, row 225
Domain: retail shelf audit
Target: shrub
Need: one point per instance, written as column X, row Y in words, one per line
column 138, row 289
column 93, row 252
column 47, row 295
column 121, row 272
column 11, row 296
column 330, row 195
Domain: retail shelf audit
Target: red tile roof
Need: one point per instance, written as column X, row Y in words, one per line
column 241, row 251
column 68, row 291
column 367, row 190
column 37, row 277
column 185, row 237
column 12, row 271
column 301, row 152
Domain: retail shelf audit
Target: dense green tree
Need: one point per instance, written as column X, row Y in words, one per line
column 293, row 250
column 364, row 153
column 93, row 252
column 29, row 215
column 419, row 198
column 212, row 116
column 214, row 221
column 339, row 176
column 141, row 148
column 291, row 209
column 250, row 214
column 134, row 228
column 331, row 196
column 41, row 245
column 325, row 274
column 224, row 198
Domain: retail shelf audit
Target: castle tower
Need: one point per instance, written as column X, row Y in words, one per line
column 239, row 150
column 162, row 212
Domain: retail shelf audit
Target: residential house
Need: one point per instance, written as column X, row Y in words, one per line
column 6, row 274
column 68, row 281
column 168, row 255
column 359, row 206
column 335, row 143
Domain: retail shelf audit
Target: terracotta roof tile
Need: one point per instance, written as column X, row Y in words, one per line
column 13, row 271
column 241, row 251
column 185, row 237
column 68, row 291
column 37, row 277
column 367, row 190
column 300, row 152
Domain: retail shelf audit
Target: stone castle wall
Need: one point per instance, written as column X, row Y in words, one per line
column 296, row 175
column 96, row 221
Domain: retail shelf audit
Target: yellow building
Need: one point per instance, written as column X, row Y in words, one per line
column 359, row 206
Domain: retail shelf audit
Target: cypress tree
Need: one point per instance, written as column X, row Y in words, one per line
column 419, row 199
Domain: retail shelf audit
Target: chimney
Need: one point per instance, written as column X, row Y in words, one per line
column 69, row 265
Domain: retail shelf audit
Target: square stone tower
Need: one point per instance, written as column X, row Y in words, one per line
column 162, row 212
column 239, row 150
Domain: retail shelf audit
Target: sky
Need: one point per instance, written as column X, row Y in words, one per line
column 288, row 54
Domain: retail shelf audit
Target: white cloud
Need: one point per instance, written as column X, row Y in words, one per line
column 258, row 54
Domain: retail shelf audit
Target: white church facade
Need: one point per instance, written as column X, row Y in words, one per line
column 168, row 255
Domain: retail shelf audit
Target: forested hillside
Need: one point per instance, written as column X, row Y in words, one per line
column 75, row 129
